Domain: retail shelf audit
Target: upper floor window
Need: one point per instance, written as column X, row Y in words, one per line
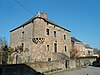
column 65, row 49
column 55, row 47
column 22, row 46
column 54, row 33
column 64, row 37
column 22, row 35
column 47, row 31
column 47, row 23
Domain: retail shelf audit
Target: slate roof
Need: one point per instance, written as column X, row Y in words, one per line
column 87, row 46
column 39, row 16
column 75, row 40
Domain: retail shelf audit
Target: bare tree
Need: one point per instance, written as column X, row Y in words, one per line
column 3, row 50
column 3, row 41
column 73, row 53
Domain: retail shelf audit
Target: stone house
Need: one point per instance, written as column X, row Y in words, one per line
column 78, row 46
column 45, row 40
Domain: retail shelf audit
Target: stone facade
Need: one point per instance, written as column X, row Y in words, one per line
column 42, row 37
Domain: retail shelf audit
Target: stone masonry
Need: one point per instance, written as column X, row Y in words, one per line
column 42, row 37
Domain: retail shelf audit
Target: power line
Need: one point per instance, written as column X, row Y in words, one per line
column 24, row 7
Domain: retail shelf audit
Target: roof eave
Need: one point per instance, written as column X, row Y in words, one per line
column 41, row 18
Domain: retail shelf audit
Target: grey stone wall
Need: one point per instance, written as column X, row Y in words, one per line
column 36, row 40
column 47, row 66
column 59, row 39
column 85, row 61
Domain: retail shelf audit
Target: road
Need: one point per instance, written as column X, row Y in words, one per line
column 85, row 71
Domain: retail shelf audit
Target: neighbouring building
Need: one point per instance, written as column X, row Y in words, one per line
column 78, row 47
column 88, row 51
column 41, row 40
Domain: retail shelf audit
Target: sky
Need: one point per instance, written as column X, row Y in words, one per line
column 81, row 17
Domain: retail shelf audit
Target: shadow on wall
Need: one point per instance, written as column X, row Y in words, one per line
column 18, row 69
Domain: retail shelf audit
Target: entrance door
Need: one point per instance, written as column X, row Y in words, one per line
column 66, row 64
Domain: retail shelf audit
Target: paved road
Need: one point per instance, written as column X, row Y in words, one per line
column 85, row 71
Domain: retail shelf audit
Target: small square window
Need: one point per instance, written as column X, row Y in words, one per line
column 49, row 59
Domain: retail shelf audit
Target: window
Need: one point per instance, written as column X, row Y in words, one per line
column 64, row 37
column 23, row 26
column 22, row 46
column 65, row 49
column 47, row 23
column 49, row 59
column 47, row 31
column 22, row 33
column 55, row 47
column 48, row 47
column 54, row 33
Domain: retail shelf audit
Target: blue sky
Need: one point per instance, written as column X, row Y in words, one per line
column 82, row 17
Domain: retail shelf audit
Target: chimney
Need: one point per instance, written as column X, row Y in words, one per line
column 44, row 15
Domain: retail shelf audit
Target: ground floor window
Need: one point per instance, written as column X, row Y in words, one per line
column 49, row 59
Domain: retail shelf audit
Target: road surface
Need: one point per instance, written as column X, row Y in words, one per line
column 84, row 71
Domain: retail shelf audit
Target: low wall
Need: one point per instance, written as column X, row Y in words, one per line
column 18, row 69
column 85, row 61
column 72, row 63
column 47, row 66
column 31, row 68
